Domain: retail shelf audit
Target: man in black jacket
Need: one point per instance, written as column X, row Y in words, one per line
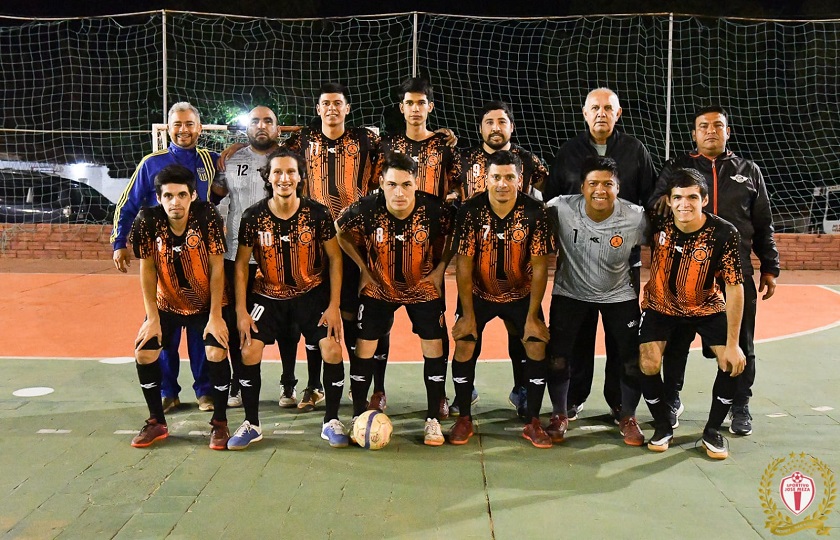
column 638, row 176
column 738, row 194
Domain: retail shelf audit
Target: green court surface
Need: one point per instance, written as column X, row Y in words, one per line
column 69, row 472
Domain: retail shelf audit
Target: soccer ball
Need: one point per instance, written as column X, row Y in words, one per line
column 372, row 430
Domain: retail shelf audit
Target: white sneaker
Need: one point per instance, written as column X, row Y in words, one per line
column 288, row 397
column 235, row 400
column 432, row 434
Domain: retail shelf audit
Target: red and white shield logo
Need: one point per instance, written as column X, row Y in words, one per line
column 797, row 491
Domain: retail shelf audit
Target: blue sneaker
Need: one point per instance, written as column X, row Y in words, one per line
column 333, row 431
column 245, row 435
column 513, row 397
column 522, row 404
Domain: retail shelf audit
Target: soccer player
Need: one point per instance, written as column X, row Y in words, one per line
column 738, row 194
column 601, row 111
column 503, row 239
column 292, row 238
column 597, row 233
column 181, row 245
column 691, row 247
column 184, row 128
column 243, row 183
column 402, row 233
column 495, row 124
column 438, row 173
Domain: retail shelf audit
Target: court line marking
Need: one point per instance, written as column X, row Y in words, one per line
column 54, row 431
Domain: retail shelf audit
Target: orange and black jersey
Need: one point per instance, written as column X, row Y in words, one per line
column 474, row 174
column 400, row 252
column 289, row 252
column 439, row 165
column 502, row 248
column 339, row 171
column 182, row 262
column 684, row 266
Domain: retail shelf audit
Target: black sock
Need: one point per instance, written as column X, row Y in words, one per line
column 558, row 385
column 313, row 366
column 219, row 373
column 351, row 334
column 251, row 382
column 463, row 378
column 333, row 386
column 631, row 393
column 381, row 357
column 536, row 374
column 288, row 358
column 361, row 373
column 653, row 390
column 434, row 375
column 150, row 377
column 722, row 394
column 516, row 351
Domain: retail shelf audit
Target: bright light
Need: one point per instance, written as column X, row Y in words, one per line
column 242, row 120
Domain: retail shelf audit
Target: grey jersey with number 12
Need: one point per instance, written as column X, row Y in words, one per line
column 245, row 188
column 593, row 263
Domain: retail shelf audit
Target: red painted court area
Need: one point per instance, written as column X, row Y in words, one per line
column 97, row 316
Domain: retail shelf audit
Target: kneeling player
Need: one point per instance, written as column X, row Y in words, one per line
column 292, row 239
column 403, row 233
column 503, row 239
column 181, row 245
column 690, row 247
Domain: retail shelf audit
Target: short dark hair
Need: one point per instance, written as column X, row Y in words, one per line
column 399, row 162
column 504, row 157
column 174, row 174
column 333, row 88
column 265, row 170
column 706, row 110
column 495, row 105
column 685, row 178
column 416, row 85
column 598, row 163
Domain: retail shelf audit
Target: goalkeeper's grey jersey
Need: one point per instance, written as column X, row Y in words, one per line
column 246, row 188
column 593, row 261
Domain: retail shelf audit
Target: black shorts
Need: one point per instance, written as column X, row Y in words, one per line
column 349, row 284
column 621, row 321
column 515, row 312
column 655, row 326
column 171, row 323
column 376, row 317
column 273, row 317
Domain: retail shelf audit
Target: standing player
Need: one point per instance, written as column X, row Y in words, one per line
column 738, row 194
column 292, row 238
column 690, row 248
column 402, row 233
column 503, row 239
column 180, row 244
column 184, row 128
column 601, row 111
column 597, row 233
column 242, row 182
column 495, row 123
column 438, row 173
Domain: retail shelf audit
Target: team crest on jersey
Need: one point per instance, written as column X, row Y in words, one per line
column 433, row 160
column 616, row 241
column 420, row 236
column 352, row 149
column 202, row 173
column 740, row 178
column 192, row 240
column 700, row 254
column 518, row 234
column 305, row 236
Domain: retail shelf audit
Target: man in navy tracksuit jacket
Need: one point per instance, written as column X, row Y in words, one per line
column 184, row 129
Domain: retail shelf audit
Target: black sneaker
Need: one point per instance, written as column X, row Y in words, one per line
column 677, row 408
column 716, row 446
column 661, row 439
column 741, row 420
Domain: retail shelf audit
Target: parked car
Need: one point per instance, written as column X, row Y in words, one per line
column 36, row 197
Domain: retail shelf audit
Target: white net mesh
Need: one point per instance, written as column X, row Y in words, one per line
column 87, row 91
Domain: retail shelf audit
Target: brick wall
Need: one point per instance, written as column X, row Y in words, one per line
column 798, row 251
